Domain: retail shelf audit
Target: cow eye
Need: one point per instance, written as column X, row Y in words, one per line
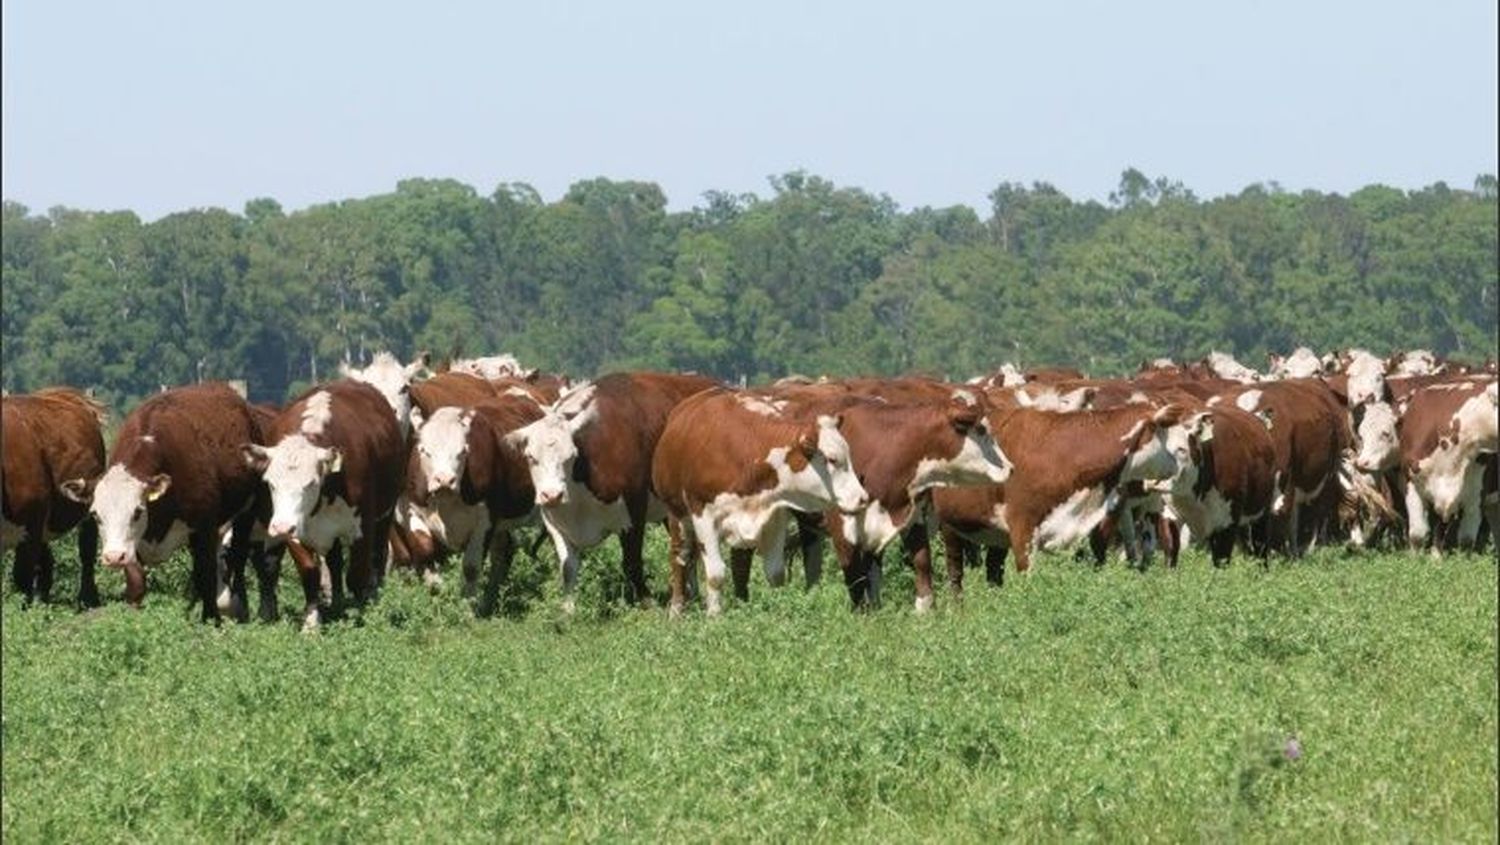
column 139, row 512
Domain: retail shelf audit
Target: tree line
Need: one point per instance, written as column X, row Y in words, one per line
column 811, row 278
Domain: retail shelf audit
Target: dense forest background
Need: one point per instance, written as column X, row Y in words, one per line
column 813, row 278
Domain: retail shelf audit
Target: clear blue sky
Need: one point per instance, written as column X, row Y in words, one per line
column 163, row 106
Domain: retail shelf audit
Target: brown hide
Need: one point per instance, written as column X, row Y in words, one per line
column 1239, row 462
column 66, row 426
column 362, row 428
column 615, row 450
column 494, row 471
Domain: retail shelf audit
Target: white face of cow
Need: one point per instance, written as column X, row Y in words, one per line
column 550, row 451
column 294, row 470
column 979, row 461
column 1366, row 378
column 119, row 506
column 392, row 379
column 442, row 446
column 1225, row 366
column 849, row 495
column 1159, row 456
column 1379, row 444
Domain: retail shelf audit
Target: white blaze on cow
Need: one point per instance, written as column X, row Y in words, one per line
column 1379, row 440
column 442, row 446
column 119, row 506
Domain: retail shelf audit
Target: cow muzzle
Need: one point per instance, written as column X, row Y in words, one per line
column 281, row 531
column 115, row 558
column 440, row 482
column 547, row 498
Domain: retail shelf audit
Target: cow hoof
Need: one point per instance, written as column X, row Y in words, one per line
column 924, row 604
column 674, row 610
column 568, row 606
column 432, row 580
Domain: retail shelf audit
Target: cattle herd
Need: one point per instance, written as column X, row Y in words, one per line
column 393, row 467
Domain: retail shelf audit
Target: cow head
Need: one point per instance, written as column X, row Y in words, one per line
column 1198, row 432
column 442, row 446
column 549, row 445
column 119, row 502
column 1379, row 444
column 1366, row 378
column 294, row 470
column 1223, row 365
column 1156, row 445
column 393, row 379
column 828, row 478
column 971, row 455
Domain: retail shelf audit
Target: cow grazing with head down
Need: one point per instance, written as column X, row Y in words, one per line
column 1446, row 432
column 1302, row 363
column 175, row 477
column 49, row 437
column 728, row 466
column 473, row 486
column 1069, row 470
column 590, row 462
column 333, row 463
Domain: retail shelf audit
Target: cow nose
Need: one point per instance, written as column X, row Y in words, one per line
column 279, row 530
column 116, row 558
column 549, row 497
column 442, row 481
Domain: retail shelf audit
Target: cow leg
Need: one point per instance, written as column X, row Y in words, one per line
column 1100, row 537
column 567, row 564
column 811, row 541
column 235, row 600
column 502, row 549
column 311, row 572
column 1221, row 546
column 1469, row 518
column 956, row 554
column 474, row 554
column 207, row 580
column 363, row 584
column 740, row 561
column 1128, row 539
column 857, row 578
column 1020, row 545
column 268, row 578
column 994, row 564
column 633, row 560
column 915, row 542
column 772, row 547
column 333, row 577
column 46, row 571
column 88, row 557
column 1294, row 527
column 28, row 560
column 677, row 564
column 713, row 565
column 1417, row 528
column 1169, row 534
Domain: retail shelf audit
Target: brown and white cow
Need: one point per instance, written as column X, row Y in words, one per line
column 176, row 477
column 334, row 462
column 729, row 466
column 1310, row 431
column 472, row 485
column 1069, row 470
column 1446, row 430
column 590, row 462
column 1227, row 484
column 49, row 437
column 900, row 454
column 1302, row 363
column 392, row 379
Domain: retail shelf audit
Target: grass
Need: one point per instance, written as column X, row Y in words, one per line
column 1073, row 704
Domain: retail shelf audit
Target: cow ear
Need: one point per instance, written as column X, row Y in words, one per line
column 577, row 422
column 466, row 418
column 418, row 365
column 157, row 486
column 1203, row 427
column 78, row 490
column 333, row 460
column 963, row 418
column 1169, row 415
column 516, row 439
column 256, row 457
column 1086, row 400
column 416, row 418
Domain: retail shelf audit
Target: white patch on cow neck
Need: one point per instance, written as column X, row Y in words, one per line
column 1072, row 519
column 336, row 521
column 873, row 528
column 443, row 445
column 1205, row 515
column 1248, row 401
column 979, row 461
column 317, row 413
column 586, row 521
column 150, row 553
column 453, row 522
column 761, row 405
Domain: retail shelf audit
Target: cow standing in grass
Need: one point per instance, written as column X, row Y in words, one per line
column 49, row 437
